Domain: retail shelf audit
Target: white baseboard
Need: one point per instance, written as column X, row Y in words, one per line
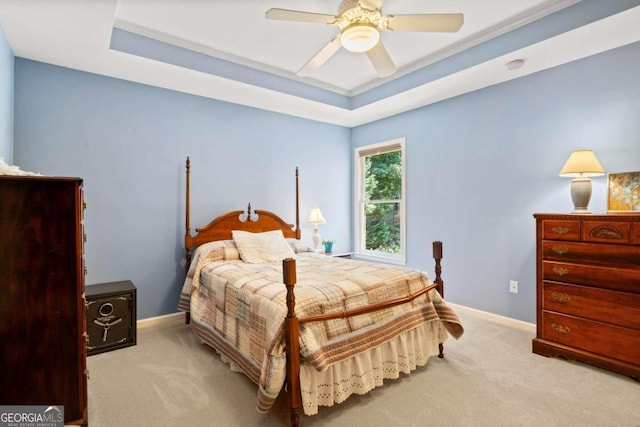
column 167, row 318
column 508, row 321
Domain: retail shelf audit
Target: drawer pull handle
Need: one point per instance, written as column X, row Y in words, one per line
column 560, row 297
column 560, row 250
column 560, row 271
column 561, row 329
column 560, row 230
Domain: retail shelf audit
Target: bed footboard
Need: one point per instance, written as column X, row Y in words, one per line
column 292, row 324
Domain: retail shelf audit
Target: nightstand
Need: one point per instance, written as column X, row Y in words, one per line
column 346, row 255
column 111, row 316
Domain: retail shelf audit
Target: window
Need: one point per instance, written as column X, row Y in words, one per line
column 380, row 201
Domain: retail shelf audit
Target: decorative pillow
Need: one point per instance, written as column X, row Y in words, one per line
column 257, row 248
column 299, row 247
column 219, row 250
column 231, row 254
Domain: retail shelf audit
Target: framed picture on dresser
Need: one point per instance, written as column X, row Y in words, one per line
column 623, row 193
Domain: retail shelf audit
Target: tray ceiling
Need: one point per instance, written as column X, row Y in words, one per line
column 228, row 50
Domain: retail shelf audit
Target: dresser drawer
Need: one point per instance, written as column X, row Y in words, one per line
column 608, row 340
column 560, row 230
column 607, row 232
column 618, row 308
column 616, row 278
column 591, row 253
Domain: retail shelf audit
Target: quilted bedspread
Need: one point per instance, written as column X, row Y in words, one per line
column 239, row 309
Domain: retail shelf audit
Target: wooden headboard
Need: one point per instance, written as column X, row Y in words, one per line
column 220, row 228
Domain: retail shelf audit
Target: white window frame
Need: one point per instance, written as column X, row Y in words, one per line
column 359, row 201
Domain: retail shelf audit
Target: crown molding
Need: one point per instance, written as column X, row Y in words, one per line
column 219, row 54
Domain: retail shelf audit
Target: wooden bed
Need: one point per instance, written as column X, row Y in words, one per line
column 258, row 221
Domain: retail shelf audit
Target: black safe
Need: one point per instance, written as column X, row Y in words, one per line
column 111, row 316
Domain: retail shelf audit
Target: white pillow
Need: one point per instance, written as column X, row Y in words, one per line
column 298, row 247
column 257, row 248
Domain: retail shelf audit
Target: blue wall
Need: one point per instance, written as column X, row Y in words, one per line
column 6, row 99
column 481, row 164
column 129, row 143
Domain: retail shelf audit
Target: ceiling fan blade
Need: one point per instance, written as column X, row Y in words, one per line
column 371, row 4
column 445, row 22
column 321, row 57
column 381, row 60
column 299, row 16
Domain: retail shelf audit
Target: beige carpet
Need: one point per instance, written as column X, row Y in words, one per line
column 488, row 378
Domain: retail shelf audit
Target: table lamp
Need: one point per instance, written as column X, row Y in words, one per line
column 315, row 218
column 581, row 165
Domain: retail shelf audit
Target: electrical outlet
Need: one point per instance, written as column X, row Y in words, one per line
column 513, row 286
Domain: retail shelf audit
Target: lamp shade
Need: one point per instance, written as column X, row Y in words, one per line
column 315, row 217
column 582, row 163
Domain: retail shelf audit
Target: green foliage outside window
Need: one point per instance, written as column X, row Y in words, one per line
column 383, row 190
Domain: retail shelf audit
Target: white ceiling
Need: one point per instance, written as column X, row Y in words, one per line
column 77, row 34
column 239, row 31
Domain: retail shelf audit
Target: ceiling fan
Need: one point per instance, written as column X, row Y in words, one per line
column 360, row 22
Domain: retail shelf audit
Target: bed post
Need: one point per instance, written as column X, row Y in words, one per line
column 298, row 233
column 437, row 256
column 292, row 343
column 187, row 235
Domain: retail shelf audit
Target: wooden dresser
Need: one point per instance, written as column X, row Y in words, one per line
column 42, row 309
column 588, row 289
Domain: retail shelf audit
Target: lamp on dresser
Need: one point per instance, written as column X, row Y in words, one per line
column 315, row 218
column 580, row 166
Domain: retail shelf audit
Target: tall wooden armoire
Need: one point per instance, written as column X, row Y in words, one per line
column 42, row 310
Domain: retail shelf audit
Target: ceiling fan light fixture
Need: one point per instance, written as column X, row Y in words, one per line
column 359, row 37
